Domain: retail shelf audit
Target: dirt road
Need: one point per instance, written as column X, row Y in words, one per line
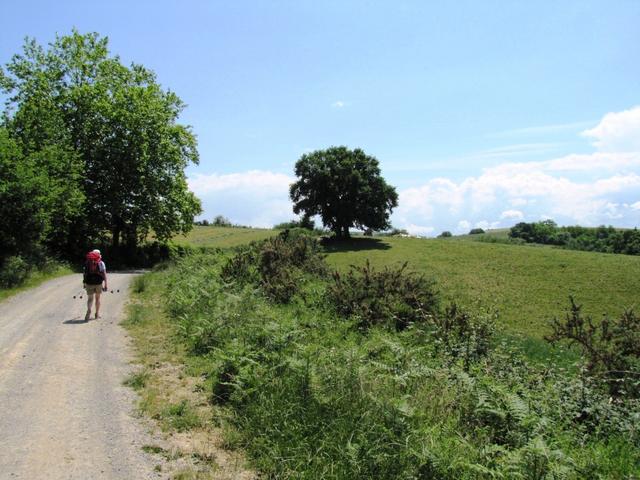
column 64, row 413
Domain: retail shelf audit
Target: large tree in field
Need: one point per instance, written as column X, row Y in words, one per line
column 114, row 132
column 345, row 188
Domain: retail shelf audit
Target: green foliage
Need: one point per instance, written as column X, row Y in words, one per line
column 476, row 231
column 445, row 234
column 316, row 398
column 277, row 265
column 181, row 416
column 464, row 335
column 13, row 272
column 600, row 239
column 221, row 221
column 305, row 222
column 611, row 347
column 20, row 187
column 105, row 139
column 137, row 380
column 392, row 297
column 139, row 284
column 345, row 188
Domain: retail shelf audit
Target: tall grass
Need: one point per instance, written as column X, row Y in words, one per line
column 314, row 396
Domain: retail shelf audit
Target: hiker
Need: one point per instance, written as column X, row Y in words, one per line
column 94, row 273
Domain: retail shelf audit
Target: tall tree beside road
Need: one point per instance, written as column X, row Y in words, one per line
column 345, row 188
column 116, row 128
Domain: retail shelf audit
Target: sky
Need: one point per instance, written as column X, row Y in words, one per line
column 481, row 114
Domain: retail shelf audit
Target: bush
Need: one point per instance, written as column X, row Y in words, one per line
column 464, row 335
column 445, row 234
column 476, row 231
column 305, row 222
column 278, row 264
column 392, row 297
column 600, row 239
column 14, row 272
column 221, row 221
column 611, row 347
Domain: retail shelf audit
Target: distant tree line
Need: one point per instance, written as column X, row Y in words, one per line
column 599, row 239
column 305, row 222
column 91, row 152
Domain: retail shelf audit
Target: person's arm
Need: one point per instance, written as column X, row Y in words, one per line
column 104, row 276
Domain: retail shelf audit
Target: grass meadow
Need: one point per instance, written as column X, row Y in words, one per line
column 308, row 391
column 222, row 237
column 526, row 285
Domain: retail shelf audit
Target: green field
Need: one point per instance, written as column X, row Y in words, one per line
column 528, row 285
column 223, row 237
column 310, row 390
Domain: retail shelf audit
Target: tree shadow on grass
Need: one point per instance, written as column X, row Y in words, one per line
column 354, row 244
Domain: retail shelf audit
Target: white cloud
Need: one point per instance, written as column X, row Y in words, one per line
column 338, row 104
column 540, row 129
column 617, row 131
column 485, row 225
column 463, row 226
column 535, row 187
column 256, row 180
column 635, row 206
column 257, row 198
column 512, row 214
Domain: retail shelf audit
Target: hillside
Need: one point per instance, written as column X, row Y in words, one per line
column 370, row 371
column 528, row 285
column 223, row 237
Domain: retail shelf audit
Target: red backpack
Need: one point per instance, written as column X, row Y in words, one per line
column 92, row 275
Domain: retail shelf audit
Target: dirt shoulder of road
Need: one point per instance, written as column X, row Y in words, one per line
column 173, row 395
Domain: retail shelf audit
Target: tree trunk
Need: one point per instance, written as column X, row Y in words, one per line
column 115, row 238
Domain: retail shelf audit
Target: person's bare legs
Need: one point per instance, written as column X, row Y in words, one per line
column 89, row 302
column 97, row 304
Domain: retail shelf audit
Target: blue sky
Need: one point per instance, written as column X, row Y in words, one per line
column 477, row 111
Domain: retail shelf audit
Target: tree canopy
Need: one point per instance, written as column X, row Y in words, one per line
column 105, row 138
column 345, row 188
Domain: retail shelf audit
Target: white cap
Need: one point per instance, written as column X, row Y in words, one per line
column 96, row 251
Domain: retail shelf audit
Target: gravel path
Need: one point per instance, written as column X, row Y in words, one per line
column 64, row 413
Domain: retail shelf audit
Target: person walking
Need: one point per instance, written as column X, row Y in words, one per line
column 94, row 275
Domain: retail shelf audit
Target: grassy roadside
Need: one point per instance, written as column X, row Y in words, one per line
column 173, row 394
column 309, row 394
column 35, row 279
column 312, row 396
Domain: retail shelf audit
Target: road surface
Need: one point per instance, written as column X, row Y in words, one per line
column 64, row 413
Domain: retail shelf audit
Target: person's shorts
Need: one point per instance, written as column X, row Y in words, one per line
column 91, row 289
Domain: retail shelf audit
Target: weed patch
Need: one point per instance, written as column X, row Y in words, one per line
column 313, row 394
column 137, row 380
